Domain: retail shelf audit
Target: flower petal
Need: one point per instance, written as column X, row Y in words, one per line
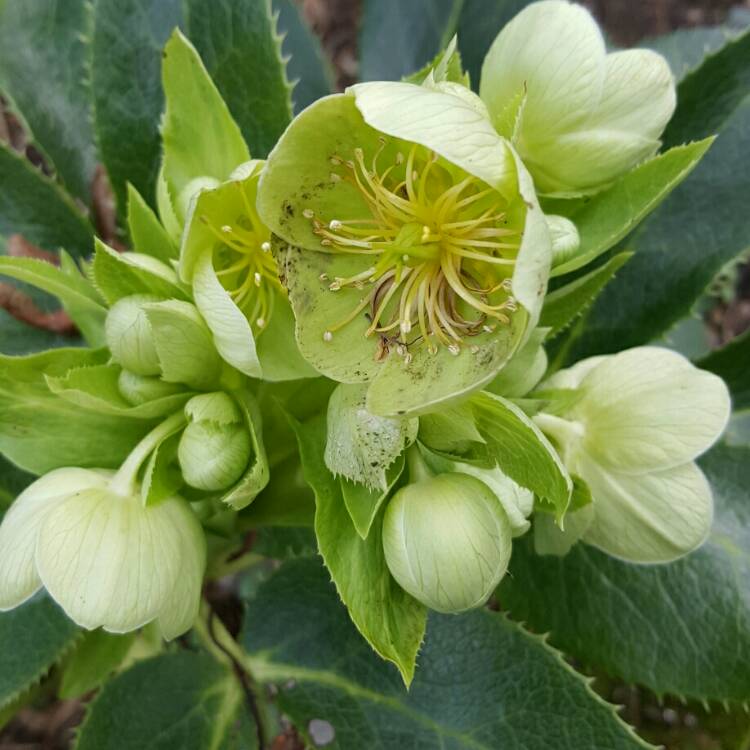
column 652, row 518
column 20, row 530
column 108, row 561
column 556, row 52
column 550, row 539
column 649, row 408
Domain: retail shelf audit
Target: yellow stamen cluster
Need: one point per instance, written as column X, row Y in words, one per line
column 247, row 269
column 442, row 251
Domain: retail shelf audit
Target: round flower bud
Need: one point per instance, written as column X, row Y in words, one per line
column 447, row 541
column 139, row 389
column 129, row 336
column 213, row 456
column 104, row 557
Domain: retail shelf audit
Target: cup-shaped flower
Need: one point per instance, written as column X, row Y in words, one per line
column 226, row 256
column 107, row 560
column 447, row 541
column 630, row 425
column 410, row 240
column 215, row 447
column 578, row 116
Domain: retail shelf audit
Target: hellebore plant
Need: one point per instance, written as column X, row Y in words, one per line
column 354, row 338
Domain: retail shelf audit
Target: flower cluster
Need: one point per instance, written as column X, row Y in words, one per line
column 392, row 254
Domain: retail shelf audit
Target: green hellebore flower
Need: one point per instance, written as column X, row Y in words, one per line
column 107, row 560
column 226, row 256
column 447, row 541
column 215, row 447
column 579, row 117
column 631, row 429
column 411, row 242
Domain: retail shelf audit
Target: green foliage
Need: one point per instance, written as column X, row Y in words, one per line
column 34, row 206
column 128, row 37
column 96, row 656
column 483, row 682
column 732, row 364
column 241, row 50
column 147, row 234
column 682, row 628
column 180, row 700
column 35, row 636
column 43, row 70
column 685, row 49
column 385, row 614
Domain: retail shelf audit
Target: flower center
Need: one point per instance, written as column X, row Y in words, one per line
column 246, row 267
column 442, row 251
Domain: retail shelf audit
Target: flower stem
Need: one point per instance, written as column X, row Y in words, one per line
column 418, row 469
column 123, row 483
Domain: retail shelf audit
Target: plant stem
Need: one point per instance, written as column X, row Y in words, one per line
column 418, row 469
column 123, row 483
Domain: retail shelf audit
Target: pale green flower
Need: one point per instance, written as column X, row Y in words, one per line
column 579, row 117
column 411, row 241
column 630, row 425
column 447, row 541
column 107, row 560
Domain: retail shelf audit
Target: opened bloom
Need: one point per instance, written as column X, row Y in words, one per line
column 578, row 117
column 631, row 425
column 410, row 240
column 107, row 560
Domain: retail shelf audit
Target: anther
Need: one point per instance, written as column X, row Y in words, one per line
column 327, row 336
column 260, row 322
column 359, row 153
column 308, row 213
column 405, row 326
column 405, row 257
column 407, row 358
column 323, row 277
column 326, row 242
column 425, row 233
column 401, row 350
column 334, row 225
column 257, row 278
column 335, row 161
column 454, row 349
column 399, row 158
column 474, row 349
column 335, row 177
column 334, row 286
column 488, row 329
column 266, row 247
column 226, row 229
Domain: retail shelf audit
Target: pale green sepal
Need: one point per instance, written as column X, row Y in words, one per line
column 650, row 409
column 98, row 388
column 448, row 124
column 162, row 477
column 525, row 369
column 19, row 530
column 231, row 331
column 183, row 344
column 650, row 518
column 129, row 336
column 218, row 407
column 117, row 275
column 360, row 446
column 109, row 562
column 363, row 503
column 555, row 50
column 147, row 234
column 550, row 539
column 564, row 237
column 140, row 389
column 446, row 66
column 431, row 380
column 201, row 139
column 257, row 473
column 165, row 206
column 450, row 430
column 89, row 321
column 447, row 541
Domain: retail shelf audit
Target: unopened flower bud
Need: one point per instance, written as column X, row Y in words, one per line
column 139, row 389
column 129, row 336
column 447, row 541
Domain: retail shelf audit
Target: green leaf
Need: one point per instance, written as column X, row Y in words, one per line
column 521, row 451
column 256, row 476
column 119, row 275
column 72, row 290
column 363, row 503
column 398, row 38
column 609, row 216
column 43, row 61
column 200, row 137
column 98, row 654
column 40, row 431
column 732, row 364
column 12, row 482
column 181, row 700
column 483, row 683
column 682, row 628
column 391, row 620
column 566, row 303
column 238, row 42
column 35, row 207
column 35, row 636
column 184, row 344
column 127, row 42
column 700, row 228
column 147, row 234
column 97, row 388
column 685, row 49
column 308, row 69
